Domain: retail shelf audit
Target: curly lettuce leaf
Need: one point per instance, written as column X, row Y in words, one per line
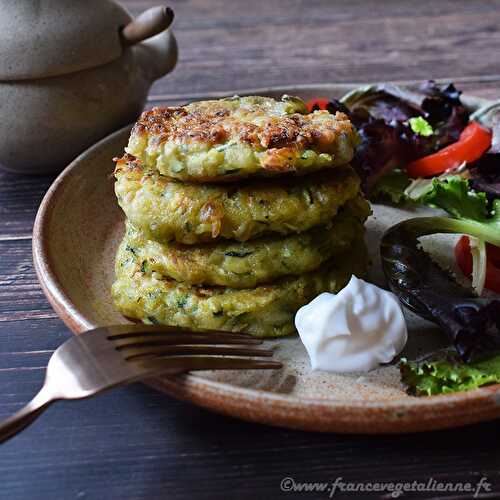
column 443, row 376
column 383, row 115
column 470, row 208
column 454, row 195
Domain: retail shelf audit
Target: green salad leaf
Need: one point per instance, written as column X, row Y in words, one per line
column 469, row 208
column 442, row 376
column 454, row 195
column 420, row 126
column 391, row 187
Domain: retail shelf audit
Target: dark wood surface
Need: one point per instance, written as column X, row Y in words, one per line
column 136, row 443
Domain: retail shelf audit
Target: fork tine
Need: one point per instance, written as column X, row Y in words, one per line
column 140, row 352
column 182, row 339
column 174, row 365
column 126, row 331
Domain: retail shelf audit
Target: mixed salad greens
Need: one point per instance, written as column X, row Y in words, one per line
column 448, row 374
column 424, row 147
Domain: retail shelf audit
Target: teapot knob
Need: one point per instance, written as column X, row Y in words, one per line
column 150, row 23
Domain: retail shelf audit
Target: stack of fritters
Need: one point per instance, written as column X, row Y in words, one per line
column 239, row 212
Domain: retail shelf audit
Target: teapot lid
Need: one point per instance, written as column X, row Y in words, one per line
column 43, row 38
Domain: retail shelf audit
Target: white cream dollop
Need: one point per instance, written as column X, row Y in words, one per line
column 354, row 330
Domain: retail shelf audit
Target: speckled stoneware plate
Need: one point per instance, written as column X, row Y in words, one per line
column 76, row 233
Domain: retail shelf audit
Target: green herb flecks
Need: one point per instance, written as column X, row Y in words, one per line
column 239, row 254
column 309, row 196
column 153, row 320
column 131, row 249
column 182, row 301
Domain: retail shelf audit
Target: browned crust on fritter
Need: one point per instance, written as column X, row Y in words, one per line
column 214, row 125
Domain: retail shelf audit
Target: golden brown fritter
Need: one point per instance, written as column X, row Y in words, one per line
column 166, row 210
column 264, row 311
column 246, row 265
column 229, row 139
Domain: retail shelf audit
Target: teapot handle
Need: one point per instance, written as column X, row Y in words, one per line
column 150, row 23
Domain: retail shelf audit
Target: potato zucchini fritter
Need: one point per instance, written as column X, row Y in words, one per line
column 246, row 265
column 166, row 210
column 229, row 139
column 265, row 311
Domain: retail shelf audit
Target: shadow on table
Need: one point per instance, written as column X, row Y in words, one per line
column 229, row 453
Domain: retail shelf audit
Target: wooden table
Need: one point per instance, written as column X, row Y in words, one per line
column 136, row 443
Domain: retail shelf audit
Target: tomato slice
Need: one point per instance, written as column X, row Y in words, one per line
column 493, row 253
column 320, row 102
column 463, row 257
column 473, row 142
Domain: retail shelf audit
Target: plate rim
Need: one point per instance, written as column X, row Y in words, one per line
column 337, row 415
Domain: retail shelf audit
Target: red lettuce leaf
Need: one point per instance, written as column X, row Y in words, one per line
column 381, row 113
column 485, row 175
column 472, row 324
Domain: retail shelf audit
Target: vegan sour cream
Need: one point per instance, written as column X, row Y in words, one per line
column 357, row 329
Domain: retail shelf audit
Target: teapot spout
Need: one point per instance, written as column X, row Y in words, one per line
column 157, row 55
column 150, row 23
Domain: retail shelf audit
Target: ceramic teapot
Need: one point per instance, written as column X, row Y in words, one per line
column 71, row 72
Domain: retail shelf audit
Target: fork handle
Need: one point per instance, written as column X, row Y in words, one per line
column 26, row 415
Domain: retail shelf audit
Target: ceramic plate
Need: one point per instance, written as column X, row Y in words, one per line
column 77, row 230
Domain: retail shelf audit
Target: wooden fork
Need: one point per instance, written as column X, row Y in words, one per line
column 112, row 356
